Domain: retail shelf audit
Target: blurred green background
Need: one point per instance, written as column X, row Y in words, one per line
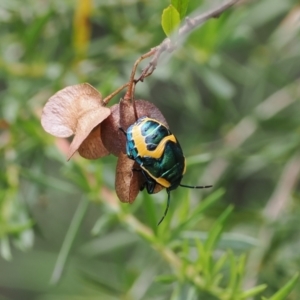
column 231, row 95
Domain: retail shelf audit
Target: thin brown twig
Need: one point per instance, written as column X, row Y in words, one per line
column 107, row 99
column 131, row 84
column 158, row 50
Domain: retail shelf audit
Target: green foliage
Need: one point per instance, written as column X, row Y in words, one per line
column 285, row 290
column 231, row 95
column 181, row 6
column 170, row 20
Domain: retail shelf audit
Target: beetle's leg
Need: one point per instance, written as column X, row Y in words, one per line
column 145, row 183
column 167, row 208
column 150, row 186
column 150, row 183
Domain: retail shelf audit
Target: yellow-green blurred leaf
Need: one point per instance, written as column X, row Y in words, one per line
column 170, row 20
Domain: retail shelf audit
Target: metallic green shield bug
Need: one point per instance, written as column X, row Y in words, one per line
column 159, row 155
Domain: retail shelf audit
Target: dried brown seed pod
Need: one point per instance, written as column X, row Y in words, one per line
column 128, row 181
column 122, row 116
column 92, row 147
column 77, row 109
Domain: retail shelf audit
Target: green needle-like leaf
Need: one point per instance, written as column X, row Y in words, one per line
column 217, row 229
column 286, row 289
column 254, row 291
column 68, row 241
column 166, row 279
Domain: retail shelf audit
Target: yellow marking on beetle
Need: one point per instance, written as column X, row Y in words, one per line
column 158, row 152
column 162, row 181
column 184, row 166
column 141, row 146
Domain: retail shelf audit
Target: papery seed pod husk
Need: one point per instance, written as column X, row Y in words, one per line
column 128, row 181
column 128, row 113
column 92, row 147
column 113, row 138
column 76, row 109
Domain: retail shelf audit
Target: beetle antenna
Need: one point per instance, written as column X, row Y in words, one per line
column 196, row 187
column 167, row 208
